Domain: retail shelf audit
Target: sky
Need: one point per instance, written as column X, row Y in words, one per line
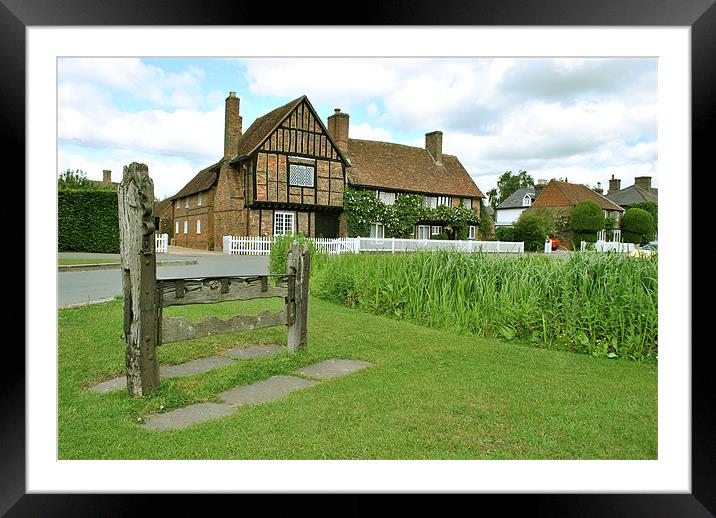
column 580, row 119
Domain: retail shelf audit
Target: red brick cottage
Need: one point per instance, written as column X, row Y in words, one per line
column 287, row 173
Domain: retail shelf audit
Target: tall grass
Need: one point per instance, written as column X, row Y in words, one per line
column 600, row 304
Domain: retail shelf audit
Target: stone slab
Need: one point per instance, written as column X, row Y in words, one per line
column 267, row 390
column 332, row 368
column 111, row 385
column 193, row 367
column 254, row 351
column 187, row 416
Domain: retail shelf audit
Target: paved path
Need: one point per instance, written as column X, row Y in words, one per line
column 262, row 391
column 88, row 286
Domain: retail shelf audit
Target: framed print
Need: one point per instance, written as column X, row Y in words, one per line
column 389, row 142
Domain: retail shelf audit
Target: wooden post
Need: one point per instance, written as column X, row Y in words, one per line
column 139, row 278
column 298, row 264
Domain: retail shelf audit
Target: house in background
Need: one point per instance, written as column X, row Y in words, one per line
column 287, row 172
column 163, row 211
column 106, row 181
column 509, row 211
column 561, row 197
column 640, row 192
column 392, row 170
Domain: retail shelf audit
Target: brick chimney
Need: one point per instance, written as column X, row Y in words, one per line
column 232, row 126
column 338, row 129
column 539, row 187
column 614, row 185
column 106, row 176
column 644, row 182
column 434, row 145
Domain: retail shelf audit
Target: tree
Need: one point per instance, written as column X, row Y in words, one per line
column 532, row 228
column 587, row 219
column 74, row 179
column 509, row 183
column 637, row 226
column 493, row 197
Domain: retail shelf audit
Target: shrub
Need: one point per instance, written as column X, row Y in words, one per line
column 87, row 221
column 532, row 228
column 587, row 217
column 589, row 237
column 280, row 247
column 653, row 209
column 637, row 226
column 505, row 233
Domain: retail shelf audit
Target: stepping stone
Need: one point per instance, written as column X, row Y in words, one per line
column 193, row 367
column 255, row 351
column 111, row 385
column 333, row 368
column 187, row 416
column 267, row 390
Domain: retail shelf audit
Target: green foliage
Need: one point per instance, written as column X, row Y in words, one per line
column 532, row 227
column 280, row 247
column 637, row 226
column 509, row 183
column 610, row 223
column 487, row 226
column 505, row 234
column 363, row 208
column 653, row 209
column 587, row 216
column 578, row 237
column 75, row 179
column 87, row 221
column 600, row 304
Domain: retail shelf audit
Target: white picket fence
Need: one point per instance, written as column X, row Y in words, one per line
column 609, row 246
column 161, row 243
column 343, row 245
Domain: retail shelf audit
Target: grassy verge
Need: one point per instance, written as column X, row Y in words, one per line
column 430, row 394
column 65, row 262
column 601, row 304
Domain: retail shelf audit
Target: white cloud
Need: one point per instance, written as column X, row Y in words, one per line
column 368, row 132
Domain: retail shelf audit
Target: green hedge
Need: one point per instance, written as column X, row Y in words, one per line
column 87, row 221
column 587, row 216
column 637, row 226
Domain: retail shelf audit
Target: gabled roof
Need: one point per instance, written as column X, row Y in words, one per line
column 407, row 168
column 633, row 194
column 514, row 200
column 264, row 126
column 563, row 194
column 203, row 181
column 161, row 206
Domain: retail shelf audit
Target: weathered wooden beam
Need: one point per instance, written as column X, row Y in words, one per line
column 175, row 329
column 299, row 266
column 139, row 277
column 209, row 291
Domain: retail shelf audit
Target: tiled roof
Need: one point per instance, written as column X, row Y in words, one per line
column 203, row 181
column 514, row 200
column 563, row 194
column 407, row 168
column 633, row 194
column 263, row 126
column 161, row 206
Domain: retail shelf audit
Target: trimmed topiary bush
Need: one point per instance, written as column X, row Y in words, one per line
column 87, row 221
column 637, row 226
column 505, row 233
column 531, row 228
column 587, row 218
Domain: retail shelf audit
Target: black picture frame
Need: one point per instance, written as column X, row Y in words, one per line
column 700, row 15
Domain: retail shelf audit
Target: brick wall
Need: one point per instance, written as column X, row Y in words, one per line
column 195, row 212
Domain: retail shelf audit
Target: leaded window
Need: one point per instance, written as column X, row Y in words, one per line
column 301, row 172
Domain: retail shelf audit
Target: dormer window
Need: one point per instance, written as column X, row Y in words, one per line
column 527, row 200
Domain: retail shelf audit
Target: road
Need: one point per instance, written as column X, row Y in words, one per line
column 87, row 286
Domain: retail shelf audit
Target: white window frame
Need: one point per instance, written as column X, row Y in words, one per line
column 387, row 198
column 281, row 219
column 431, row 202
column 444, row 200
column 425, row 228
column 466, row 202
column 435, row 230
column 186, row 202
column 199, row 199
column 198, row 226
column 527, row 200
column 377, row 230
column 471, row 232
column 176, row 227
column 186, row 226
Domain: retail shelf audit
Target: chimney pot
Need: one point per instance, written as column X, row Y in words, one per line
column 539, row 187
column 614, row 185
column 643, row 181
column 106, row 176
column 338, row 124
column 232, row 125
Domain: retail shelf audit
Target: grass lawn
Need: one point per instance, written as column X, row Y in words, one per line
column 63, row 262
column 429, row 394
